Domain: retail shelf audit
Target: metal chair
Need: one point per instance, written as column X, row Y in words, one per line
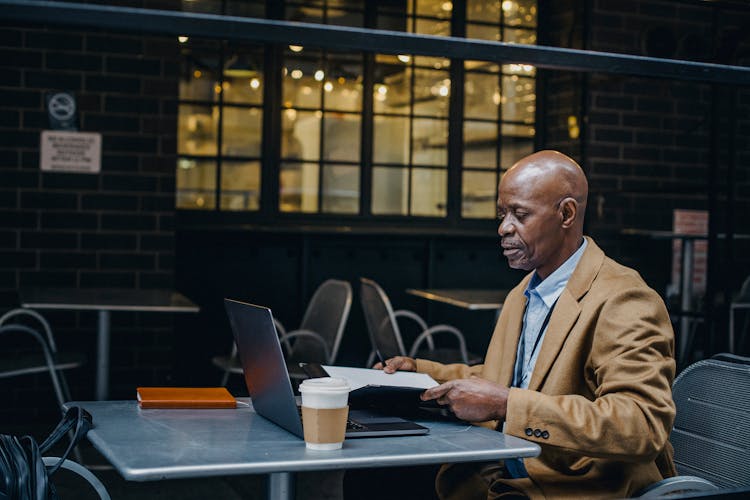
column 385, row 335
column 318, row 337
column 711, row 433
column 43, row 357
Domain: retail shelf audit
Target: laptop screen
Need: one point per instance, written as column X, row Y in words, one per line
column 263, row 363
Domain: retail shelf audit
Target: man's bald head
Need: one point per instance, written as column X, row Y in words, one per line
column 541, row 202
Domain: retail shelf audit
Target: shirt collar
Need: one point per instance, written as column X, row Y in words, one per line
column 550, row 288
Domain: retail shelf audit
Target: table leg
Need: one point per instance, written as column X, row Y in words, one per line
column 281, row 486
column 687, row 295
column 102, row 356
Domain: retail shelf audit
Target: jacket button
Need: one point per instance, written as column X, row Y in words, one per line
column 545, row 435
column 537, row 433
column 528, row 431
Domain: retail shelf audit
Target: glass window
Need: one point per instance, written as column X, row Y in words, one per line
column 215, row 97
column 390, row 191
column 299, row 187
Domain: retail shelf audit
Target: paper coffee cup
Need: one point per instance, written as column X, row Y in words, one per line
column 324, row 412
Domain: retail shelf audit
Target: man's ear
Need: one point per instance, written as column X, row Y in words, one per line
column 568, row 211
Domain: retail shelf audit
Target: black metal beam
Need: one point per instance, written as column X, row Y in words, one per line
column 346, row 38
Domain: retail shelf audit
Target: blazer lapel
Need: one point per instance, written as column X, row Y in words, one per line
column 566, row 312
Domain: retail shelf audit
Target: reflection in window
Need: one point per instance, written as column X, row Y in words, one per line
column 499, row 103
column 320, row 131
column 219, row 126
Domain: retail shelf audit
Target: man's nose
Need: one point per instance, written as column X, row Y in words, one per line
column 505, row 227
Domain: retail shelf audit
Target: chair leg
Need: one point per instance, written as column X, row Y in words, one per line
column 225, row 378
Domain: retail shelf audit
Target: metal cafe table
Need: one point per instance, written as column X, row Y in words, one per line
column 472, row 299
column 105, row 300
column 155, row 444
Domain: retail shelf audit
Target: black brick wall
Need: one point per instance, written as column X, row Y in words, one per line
column 79, row 230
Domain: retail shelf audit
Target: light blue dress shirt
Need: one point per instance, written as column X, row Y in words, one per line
column 541, row 296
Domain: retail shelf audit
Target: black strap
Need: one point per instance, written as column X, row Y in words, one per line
column 521, row 351
column 75, row 417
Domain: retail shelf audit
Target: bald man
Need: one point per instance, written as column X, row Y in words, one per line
column 581, row 360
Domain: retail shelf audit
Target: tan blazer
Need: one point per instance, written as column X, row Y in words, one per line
column 600, row 393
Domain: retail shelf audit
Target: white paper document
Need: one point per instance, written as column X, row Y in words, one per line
column 361, row 377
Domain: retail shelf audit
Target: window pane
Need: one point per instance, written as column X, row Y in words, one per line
column 345, row 94
column 428, row 192
column 242, row 129
column 434, row 8
column 520, row 13
column 480, row 144
column 341, row 189
column 391, row 140
column 243, row 78
column 482, row 10
column 300, row 134
column 240, row 185
column 298, row 187
column 196, row 130
column 196, row 184
column 342, row 137
column 433, row 27
column 483, row 32
column 478, row 197
column 527, row 37
column 390, row 188
column 430, row 142
column 303, row 80
column 518, row 141
column 392, row 89
column 519, row 99
column 482, row 96
column 345, row 17
column 199, row 75
column 431, row 92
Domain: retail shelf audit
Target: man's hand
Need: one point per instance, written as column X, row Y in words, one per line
column 472, row 399
column 397, row 363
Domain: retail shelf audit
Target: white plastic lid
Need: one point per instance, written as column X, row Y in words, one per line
column 325, row 384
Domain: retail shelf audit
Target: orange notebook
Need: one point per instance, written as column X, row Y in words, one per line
column 185, row 397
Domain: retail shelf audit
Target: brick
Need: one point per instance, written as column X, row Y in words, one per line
column 10, row 78
column 21, row 98
column 163, row 87
column 19, row 139
column 134, row 261
column 158, row 203
column 8, row 239
column 166, row 262
column 67, row 220
column 13, row 58
column 131, row 144
column 108, row 123
column 157, row 242
column 54, row 180
column 48, row 239
column 88, row 102
column 658, row 9
column 161, row 164
column 35, row 119
column 107, row 279
column 128, row 222
column 124, row 84
column 56, row 40
column 8, row 198
column 73, row 61
column 157, row 280
column 30, row 159
column 49, row 200
column 108, row 241
column 133, row 66
column 17, row 219
column 18, row 259
column 640, row 153
column 166, row 222
column 622, row 103
column 102, row 201
column 654, row 105
column 10, row 37
column 654, row 138
column 613, row 135
column 139, row 105
column 66, row 260
column 19, row 178
column 9, row 118
column 114, row 44
column 114, row 163
column 167, row 184
column 137, row 183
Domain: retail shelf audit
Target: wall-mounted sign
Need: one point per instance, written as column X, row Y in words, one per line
column 61, row 111
column 63, row 151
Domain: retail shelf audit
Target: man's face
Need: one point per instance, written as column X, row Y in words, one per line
column 530, row 221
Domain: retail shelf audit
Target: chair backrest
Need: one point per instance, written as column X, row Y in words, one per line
column 326, row 315
column 711, row 434
column 381, row 322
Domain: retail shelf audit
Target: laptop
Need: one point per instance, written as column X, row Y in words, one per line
column 268, row 383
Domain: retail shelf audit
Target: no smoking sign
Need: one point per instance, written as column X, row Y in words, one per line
column 61, row 109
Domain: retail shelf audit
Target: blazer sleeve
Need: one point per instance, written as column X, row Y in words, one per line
column 443, row 373
column 626, row 410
